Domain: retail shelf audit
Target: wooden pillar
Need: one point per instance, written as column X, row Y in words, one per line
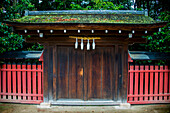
column 125, row 73
column 45, row 72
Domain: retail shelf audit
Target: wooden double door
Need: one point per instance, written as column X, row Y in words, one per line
column 86, row 75
column 99, row 74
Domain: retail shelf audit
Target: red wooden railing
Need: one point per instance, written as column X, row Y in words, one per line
column 148, row 84
column 21, row 83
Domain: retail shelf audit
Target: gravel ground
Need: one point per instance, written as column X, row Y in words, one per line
column 26, row 108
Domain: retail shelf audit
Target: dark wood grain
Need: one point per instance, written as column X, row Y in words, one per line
column 54, row 72
column 45, row 72
column 62, row 72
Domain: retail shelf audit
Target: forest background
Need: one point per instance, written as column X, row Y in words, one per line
column 13, row 9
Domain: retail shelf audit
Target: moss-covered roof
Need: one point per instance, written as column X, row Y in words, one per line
column 93, row 18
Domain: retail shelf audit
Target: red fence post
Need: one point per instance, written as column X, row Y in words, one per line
column 146, row 82
column 29, row 80
column 39, row 81
column 151, row 82
column 156, row 83
column 24, row 80
column 9, row 79
column 0, row 81
column 131, row 83
column 4, row 80
column 136, row 82
column 14, row 79
column 141, row 82
column 34, row 80
column 166, row 83
column 161, row 82
column 19, row 80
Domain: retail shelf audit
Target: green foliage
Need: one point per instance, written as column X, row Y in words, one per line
column 9, row 40
column 97, row 5
column 8, row 10
column 160, row 41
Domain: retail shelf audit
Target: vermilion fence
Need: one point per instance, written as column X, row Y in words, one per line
column 148, row 84
column 21, row 83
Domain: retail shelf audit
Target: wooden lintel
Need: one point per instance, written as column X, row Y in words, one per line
column 63, row 40
column 86, row 33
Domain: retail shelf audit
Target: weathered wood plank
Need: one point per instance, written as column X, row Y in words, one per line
column 125, row 73
column 63, row 68
column 45, row 72
column 54, row 72
column 50, row 73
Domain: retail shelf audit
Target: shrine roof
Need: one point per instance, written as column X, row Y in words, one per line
column 90, row 16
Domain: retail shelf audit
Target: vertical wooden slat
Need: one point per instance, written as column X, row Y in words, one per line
column 14, row 79
column 131, row 82
column 4, row 80
column 141, row 82
column 19, row 80
column 29, row 80
column 39, row 81
column 125, row 72
column 166, row 83
column 9, row 79
column 146, row 81
column 136, row 82
column 63, row 72
column 50, row 73
column 156, row 83
column 151, row 82
column 116, row 73
column 161, row 82
column 34, row 86
column 54, row 72
column 24, row 80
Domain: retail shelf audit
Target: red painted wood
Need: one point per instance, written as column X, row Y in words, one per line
column 14, row 80
column 166, row 83
column 0, row 80
column 161, row 83
column 131, row 83
column 22, row 101
column 9, row 79
column 29, row 81
column 156, row 83
column 24, row 81
column 4, row 80
column 151, row 82
column 34, row 81
column 146, row 81
column 149, row 71
column 19, row 81
column 147, row 95
column 136, row 82
column 141, row 82
column 148, row 102
column 39, row 82
column 21, row 94
column 30, row 70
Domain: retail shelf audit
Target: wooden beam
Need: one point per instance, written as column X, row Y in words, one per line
column 138, row 32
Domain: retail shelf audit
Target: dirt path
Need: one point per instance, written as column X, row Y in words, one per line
column 25, row 108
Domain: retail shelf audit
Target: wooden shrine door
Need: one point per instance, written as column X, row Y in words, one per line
column 85, row 75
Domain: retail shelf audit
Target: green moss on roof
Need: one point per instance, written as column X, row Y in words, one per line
column 114, row 18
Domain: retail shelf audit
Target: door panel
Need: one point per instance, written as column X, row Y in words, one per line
column 94, row 73
column 70, row 73
column 94, row 66
column 76, row 73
